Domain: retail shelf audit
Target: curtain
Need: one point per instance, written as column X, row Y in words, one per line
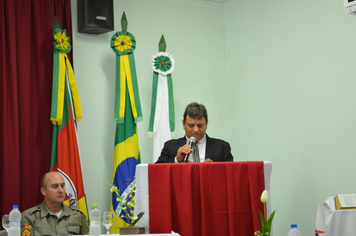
column 26, row 62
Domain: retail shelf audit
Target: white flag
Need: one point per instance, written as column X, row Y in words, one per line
column 162, row 122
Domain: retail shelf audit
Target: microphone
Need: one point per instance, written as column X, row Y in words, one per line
column 190, row 142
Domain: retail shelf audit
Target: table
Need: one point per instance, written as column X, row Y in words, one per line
column 202, row 198
column 338, row 222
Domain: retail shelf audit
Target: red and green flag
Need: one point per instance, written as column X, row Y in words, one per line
column 65, row 110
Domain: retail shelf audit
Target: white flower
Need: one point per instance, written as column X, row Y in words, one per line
column 264, row 196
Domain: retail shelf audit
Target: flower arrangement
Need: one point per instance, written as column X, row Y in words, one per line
column 127, row 206
column 265, row 223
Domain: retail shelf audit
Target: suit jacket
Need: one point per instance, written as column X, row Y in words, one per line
column 216, row 149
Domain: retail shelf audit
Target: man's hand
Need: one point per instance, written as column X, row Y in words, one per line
column 208, row 160
column 182, row 151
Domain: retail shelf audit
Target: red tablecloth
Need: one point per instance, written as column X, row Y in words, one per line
column 205, row 198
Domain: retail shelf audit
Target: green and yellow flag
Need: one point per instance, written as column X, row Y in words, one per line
column 127, row 113
column 126, row 157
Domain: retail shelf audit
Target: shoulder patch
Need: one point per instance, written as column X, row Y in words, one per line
column 26, row 225
column 26, row 232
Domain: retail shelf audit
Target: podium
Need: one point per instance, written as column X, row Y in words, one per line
column 219, row 198
column 338, row 222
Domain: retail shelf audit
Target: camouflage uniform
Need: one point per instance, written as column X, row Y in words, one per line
column 39, row 220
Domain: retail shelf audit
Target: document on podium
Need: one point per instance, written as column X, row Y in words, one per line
column 345, row 201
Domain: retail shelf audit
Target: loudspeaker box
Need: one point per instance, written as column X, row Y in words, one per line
column 95, row 16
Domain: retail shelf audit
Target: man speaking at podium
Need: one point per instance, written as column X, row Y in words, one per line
column 196, row 145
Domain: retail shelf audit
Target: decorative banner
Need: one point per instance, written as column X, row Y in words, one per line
column 61, row 66
column 123, row 44
column 127, row 113
column 162, row 123
column 65, row 156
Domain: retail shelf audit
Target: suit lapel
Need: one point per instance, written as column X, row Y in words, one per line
column 181, row 142
column 210, row 147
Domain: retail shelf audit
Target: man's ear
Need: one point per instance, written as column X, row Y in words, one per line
column 42, row 191
column 183, row 122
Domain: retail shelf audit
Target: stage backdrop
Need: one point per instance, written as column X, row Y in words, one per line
column 26, row 62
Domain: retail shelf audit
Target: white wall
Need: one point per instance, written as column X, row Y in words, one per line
column 195, row 34
column 291, row 65
column 276, row 77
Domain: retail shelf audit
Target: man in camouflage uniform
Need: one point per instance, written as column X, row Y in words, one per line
column 52, row 217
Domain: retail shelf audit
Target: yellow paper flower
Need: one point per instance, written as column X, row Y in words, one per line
column 123, row 43
column 134, row 218
column 131, row 204
column 264, row 196
column 61, row 40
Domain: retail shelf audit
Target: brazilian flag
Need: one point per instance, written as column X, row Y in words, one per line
column 126, row 157
column 126, row 113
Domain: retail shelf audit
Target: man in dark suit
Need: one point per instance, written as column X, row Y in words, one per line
column 195, row 123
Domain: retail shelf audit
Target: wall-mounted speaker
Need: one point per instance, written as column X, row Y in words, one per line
column 95, row 16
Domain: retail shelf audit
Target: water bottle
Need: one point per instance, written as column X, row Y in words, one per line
column 294, row 231
column 15, row 221
column 95, row 216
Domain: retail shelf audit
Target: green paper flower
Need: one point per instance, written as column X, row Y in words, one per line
column 163, row 63
column 61, row 40
column 123, row 43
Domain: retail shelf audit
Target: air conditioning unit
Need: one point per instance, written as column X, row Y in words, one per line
column 350, row 6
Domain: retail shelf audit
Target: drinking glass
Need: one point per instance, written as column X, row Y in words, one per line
column 5, row 222
column 107, row 219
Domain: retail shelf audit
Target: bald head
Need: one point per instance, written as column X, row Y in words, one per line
column 49, row 176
